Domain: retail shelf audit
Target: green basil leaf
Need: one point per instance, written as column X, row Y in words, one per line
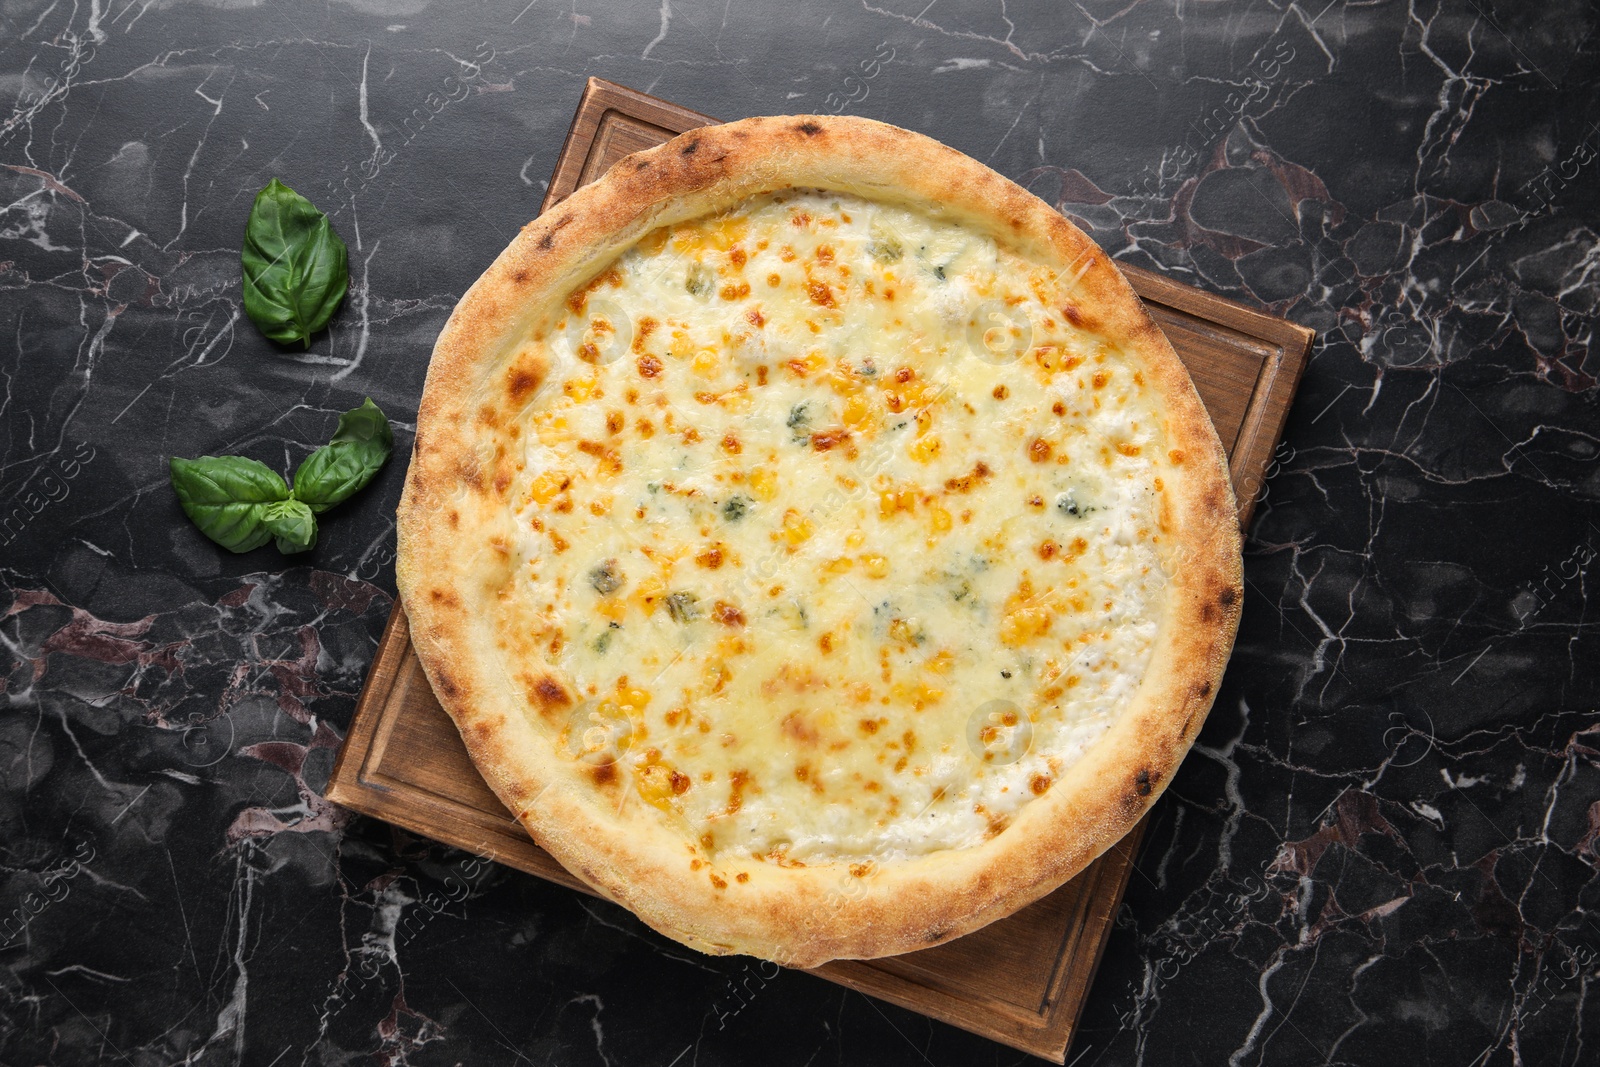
column 346, row 463
column 291, row 523
column 296, row 269
column 225, row 495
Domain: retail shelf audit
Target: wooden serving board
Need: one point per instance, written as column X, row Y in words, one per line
column 1021, row 981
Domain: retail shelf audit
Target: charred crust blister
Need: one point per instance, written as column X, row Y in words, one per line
column 550, row 694
column 1142, row 782
column 522, row 383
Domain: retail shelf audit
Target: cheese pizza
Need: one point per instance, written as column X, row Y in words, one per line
column 818, row 547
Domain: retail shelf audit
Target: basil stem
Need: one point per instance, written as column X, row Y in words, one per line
column 293, row 527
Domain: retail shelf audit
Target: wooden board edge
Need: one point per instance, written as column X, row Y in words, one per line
column 1274, row 399
column 344, row 786
column 567, row 159
column 600, row 96
column 1047, row 1034
column 1155, row 286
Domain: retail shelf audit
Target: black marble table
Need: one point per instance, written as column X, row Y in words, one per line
column 1383, row 849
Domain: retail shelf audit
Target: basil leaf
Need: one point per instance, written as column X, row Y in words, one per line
column 225, row 495
column 346, row 463
column 296, row 269
column 291, row 523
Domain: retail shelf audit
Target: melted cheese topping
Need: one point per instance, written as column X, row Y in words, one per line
column 847, row 538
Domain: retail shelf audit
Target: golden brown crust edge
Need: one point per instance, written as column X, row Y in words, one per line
column 452, row 488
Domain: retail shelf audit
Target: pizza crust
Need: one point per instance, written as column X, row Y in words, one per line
column 462, row 465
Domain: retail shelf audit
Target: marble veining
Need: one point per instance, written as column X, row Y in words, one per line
column 1383, row 849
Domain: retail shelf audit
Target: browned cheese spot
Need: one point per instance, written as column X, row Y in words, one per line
column 737, row 781
column 645, row 328
column 607, row 455
column 796, row 726
column 825, row 440
column 965, row 483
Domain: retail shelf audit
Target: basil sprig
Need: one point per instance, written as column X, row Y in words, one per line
column 296, row 269
column 242, row 504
